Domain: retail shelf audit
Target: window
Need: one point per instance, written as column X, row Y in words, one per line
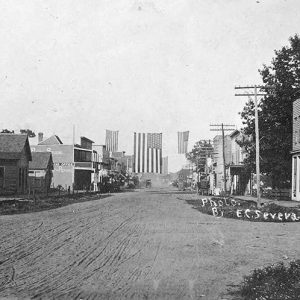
column 296, row 137
column 1, row 177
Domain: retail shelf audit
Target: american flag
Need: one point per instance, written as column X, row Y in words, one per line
column 147, row 149
column 111, row 140
column 154, row 140
column 183, row 138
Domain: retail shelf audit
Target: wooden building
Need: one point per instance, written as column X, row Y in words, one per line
column 15, row 155
column 40, row 171
column 296, row 151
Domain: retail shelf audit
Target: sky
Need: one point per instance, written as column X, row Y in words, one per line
column 135, row 65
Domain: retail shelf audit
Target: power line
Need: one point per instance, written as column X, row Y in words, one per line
column 255, row 94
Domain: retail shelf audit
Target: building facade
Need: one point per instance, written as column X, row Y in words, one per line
column 217, row 170
column 296, row 151
column 75, row 166
column 238, row 175
column 40, row 172
column 15, row 156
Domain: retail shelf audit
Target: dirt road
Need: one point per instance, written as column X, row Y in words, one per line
column 138, row 245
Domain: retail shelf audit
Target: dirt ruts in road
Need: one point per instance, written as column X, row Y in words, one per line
column 146, row 244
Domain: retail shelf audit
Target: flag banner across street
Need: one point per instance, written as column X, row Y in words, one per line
column 147, row 153
column 111, row 140
column 183, row 139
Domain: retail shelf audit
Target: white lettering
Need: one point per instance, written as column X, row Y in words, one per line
column 246, row 213
column 239, row 213
column 233, row 202
column 204, row 201
column 212, row 201
column 258, row 213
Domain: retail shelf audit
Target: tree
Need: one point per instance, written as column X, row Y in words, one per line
column 275, row 115
column 201, row 150
column 29, row 132
column 7, row 131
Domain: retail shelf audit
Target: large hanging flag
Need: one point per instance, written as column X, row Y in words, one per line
column 111, row 140
column 183, row 139
column 147, row 153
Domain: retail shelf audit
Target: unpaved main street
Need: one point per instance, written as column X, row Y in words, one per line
column 148, row 244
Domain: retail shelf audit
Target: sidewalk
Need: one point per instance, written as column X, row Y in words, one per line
column 292, row 204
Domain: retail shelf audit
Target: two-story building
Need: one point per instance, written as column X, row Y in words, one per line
column 238, row 175
column 217, row 171
column 76, row 166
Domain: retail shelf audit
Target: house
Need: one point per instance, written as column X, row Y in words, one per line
column 296, row 151
column 15, row 156
column 40, row 171
column 74, row 165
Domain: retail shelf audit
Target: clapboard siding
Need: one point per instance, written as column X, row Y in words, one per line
column 10, row 175
column 296, row 125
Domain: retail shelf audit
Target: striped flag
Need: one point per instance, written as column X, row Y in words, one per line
column 147, row 153
column 111, row 140
column 183, row 138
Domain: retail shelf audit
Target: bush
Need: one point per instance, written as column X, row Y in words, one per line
column 272, row 282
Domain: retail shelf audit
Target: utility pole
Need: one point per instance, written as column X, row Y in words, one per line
column 255, row 94
column 229, row 128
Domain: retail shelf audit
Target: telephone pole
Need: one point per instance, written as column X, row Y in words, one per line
column 255, row 94
column 223, row 144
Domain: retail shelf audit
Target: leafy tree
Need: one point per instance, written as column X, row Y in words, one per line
column 7, row 131
column 201, row 150
column 275, row 115
column 29, row 132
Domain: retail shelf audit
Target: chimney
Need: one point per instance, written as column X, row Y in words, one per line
column 40, row 137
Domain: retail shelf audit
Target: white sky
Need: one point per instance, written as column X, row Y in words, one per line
column 134, row 65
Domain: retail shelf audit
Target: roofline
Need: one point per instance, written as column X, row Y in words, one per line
column 87, row 139
column 234, row 132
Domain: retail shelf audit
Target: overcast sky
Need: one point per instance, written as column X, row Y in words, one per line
column 134, row 65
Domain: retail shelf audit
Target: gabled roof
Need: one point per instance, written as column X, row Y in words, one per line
column 86, row 139
column 41, row 161
column 234, row 133
column 12, row 145
column 52, row 140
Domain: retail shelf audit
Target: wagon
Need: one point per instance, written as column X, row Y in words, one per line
column 148, row 183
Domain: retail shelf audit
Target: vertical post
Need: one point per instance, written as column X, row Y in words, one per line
column 257, row 148
column 224, row 166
